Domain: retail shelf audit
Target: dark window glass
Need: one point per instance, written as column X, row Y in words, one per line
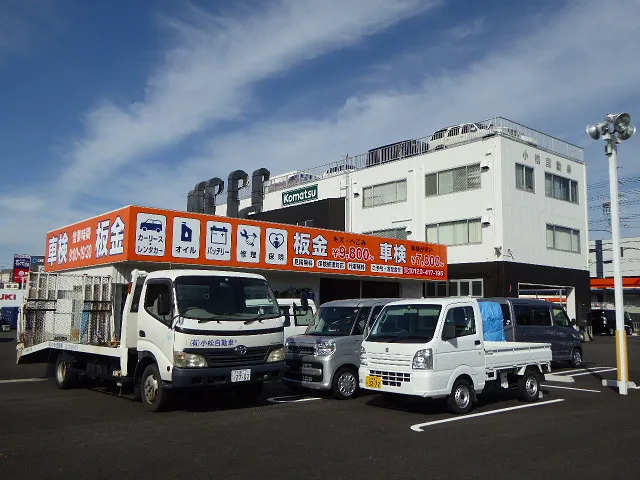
column 523, row 314
column 541, row 316
column 151, row 299
column 135, row 302
column 358, row 328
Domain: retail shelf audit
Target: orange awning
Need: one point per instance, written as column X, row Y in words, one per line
column 627, row 282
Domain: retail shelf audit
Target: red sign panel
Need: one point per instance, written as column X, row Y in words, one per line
column 150, row 235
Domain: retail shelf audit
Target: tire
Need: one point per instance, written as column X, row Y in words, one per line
column 65, row 379
column 576, row 358
column 529, row 386
column 155, row 397
column 248, row 392
column 344, row 385
column 460, row 400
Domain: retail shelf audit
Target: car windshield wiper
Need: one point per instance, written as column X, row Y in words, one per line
column 217, row 316
column 263, row 316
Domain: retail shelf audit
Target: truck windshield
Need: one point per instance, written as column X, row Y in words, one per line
column 230, row 298
column 404, row 323
column 335, row 321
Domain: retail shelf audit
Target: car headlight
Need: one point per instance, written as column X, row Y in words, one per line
column 363, row 357
column 423, row 360
column 324, row 349
column 276, row 355
column 189, row 360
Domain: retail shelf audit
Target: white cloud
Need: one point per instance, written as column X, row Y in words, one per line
column 208, row 75
column 469, row 29
column 546, row 78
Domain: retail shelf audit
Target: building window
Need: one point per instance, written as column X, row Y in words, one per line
column 466, row 288
column 560, row 188
column 385, row 193
column 454, row 180
column 524, row 178
column 562, row 238
column 399, row 233
column 461, row 232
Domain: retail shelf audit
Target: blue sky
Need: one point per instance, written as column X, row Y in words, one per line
column 104, row 104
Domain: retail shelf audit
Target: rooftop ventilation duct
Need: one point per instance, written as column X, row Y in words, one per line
column 195, row 198
column 213, row 187
column 233, row 185
column 258, row 178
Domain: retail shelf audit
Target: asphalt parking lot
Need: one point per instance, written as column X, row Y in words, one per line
column 580, row 429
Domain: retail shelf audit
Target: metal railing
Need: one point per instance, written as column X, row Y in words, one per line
column 445, row 138
column 68, row 308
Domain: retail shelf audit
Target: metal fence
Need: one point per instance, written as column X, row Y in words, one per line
column 69, row 308
column 445, row 138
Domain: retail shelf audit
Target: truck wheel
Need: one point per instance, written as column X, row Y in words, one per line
column 345, row 383
column 154, row 397
column 248, row 392
column 576, row 358
column 460, row 400
column 529, row 386
column 64, row 378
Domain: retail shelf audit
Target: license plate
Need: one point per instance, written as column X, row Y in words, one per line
column 243, row 375
column 373, row 382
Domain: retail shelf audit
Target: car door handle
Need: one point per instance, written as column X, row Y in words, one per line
column 477, row 342
column 141, row 333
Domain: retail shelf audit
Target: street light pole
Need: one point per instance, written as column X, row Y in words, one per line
column 614, row 129
column 621, row 334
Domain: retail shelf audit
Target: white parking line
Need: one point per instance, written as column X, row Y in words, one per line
column 418, row 427
column 559, row 378
column 571, row 388
column 23, row 380
column 595, row 371
column 584, row 369
column 282, row 399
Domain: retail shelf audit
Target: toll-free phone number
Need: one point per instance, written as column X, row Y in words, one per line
column 423, row 271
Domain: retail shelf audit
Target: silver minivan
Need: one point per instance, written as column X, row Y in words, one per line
column 327, row 355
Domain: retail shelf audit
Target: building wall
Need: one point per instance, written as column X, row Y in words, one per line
column 525, row 215
column 328, row 213
column 514, row 220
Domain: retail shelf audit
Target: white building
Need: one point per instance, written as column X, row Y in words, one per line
column 510, row 201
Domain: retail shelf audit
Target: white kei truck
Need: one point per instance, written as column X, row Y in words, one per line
column 176, row 329
column 437, row 348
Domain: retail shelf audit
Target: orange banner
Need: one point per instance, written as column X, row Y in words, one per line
column 151, row 235
column 96, row 241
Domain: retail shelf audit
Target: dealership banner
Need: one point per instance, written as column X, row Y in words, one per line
column 21, row 264
column 139, row 234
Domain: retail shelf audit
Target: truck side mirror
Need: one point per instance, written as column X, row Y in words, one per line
column 573, row 322
column 164, row 304
column 304, row 302
column 448, row 331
